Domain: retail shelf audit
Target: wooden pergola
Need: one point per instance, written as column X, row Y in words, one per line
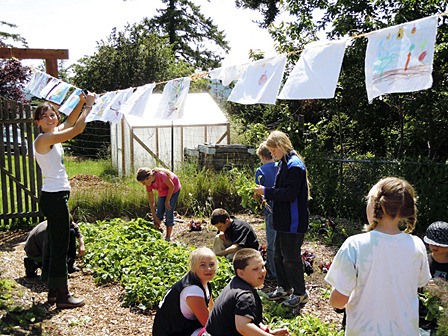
column 50, row 56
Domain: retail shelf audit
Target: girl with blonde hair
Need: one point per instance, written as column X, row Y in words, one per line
column 186, row 306
column 290, row 196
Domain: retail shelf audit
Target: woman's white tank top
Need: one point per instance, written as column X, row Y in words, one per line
column 53, row 168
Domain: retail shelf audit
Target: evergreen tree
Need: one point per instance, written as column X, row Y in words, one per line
column 190, row 33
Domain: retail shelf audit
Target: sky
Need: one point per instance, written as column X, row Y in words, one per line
column 79, row 25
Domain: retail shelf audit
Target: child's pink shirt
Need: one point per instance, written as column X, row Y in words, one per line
column 160, row 186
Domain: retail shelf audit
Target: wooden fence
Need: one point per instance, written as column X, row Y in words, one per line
column 20, row 177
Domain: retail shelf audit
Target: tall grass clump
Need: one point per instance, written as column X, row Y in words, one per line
column 111, row 197
column 204, row 190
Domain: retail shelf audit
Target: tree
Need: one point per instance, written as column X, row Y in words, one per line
column 13, row 75
column 133, row 57
column 130, row 58
column 402, row 125
column 190, row 33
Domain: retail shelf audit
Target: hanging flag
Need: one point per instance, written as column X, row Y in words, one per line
column 227, row 74
column 399, row 58
column 316, row 74
column 136, row 103
column 50, row 86
column 112, row 111
column 172, row 103
column 71, row 102
column 40, row 84
column 100, row 106
column 35, row 77
column 260, row 82
column 59, row 92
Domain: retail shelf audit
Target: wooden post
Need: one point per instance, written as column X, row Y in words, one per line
column 49, row 55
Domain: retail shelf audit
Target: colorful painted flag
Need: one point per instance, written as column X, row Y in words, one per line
column 41, row 83
column 399, row 58
column 99, row 108
column 172, row 103
column 71, row 102
column 34, row 79
column 136, row 103
column 316, row 74
column 112, row 111
column 58, row 93
column 260, row 82
column 50, row 86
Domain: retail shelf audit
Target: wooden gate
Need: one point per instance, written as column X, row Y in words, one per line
column 20, row 177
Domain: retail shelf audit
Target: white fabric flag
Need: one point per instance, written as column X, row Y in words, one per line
column 399, row 58
column 100, row 105
column 136, row 103
column 41, row 83
column 50, row 86
column 260, row 82
column 172, row 103
column 35, row 77
column 112, row 111
column 71, row 102
column 316, row 73
column 227, row 74
column 58, row 94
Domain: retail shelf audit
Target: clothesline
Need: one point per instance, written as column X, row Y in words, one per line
column 398, row 59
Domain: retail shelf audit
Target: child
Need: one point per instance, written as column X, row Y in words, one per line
column 55, row 192
column 437, row 239
column 238, row 309
column 265, row 176
column 290, row 218
column 233, row 235
column 36, row 244
column 376, row 274
column 167, row 185
column 185, row 308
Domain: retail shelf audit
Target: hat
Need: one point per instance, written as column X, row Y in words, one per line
column 437, row 234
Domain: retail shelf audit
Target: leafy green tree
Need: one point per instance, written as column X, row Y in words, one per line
column 190, row 33
column 13, row 75
column 133, row 57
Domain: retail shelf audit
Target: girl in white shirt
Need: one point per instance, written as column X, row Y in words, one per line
column 376, row 275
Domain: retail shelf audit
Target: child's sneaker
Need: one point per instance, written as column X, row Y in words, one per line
column 277, row 294
column 296, row 300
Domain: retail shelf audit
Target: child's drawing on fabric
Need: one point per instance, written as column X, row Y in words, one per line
column 112, row 112
column 399, row 58
column 99, row 108
column 71, row 102
column 136, row 103
column 41, row 83
column 173, row 99
column 260, row 82
column 58, row 94
column 49, row 87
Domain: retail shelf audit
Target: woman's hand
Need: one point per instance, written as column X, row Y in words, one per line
column 167, row 205
column 259, row 190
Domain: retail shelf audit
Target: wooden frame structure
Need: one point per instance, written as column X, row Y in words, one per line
column 51, row 56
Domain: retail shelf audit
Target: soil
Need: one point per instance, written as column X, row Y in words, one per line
column 103, row 313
